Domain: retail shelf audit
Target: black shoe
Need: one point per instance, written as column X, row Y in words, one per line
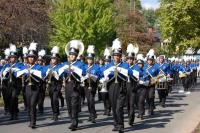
column 32, row 126
column 55, row 118
column 121, row 131
column 73, row 128
column 130, row 122
column 115, row 128
column 142, row 118
column 151, row 113
column 93, row 121
column 108, row 114
column 89, row 119
column 70, row 127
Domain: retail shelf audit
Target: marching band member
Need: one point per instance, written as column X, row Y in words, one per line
column 104, row 91
column 91, row 82
column 132, row 81
column 41, row 62
column 184, row 74
column 54, row 81
column 142, row 85
column 33, row 74
column 152, row 71
column 164, row 73
column 25, row 62
column 4, row 83
column 73, row 70
column 116, row 74
column 10, row 72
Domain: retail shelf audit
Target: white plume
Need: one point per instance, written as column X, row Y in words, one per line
column 107, row 52
column 13, row 48
column 151, row 52
column 91, row 49
column 140, row 57
column 176, row 59
column 173, row 59
column 116, row 44
column 7, row 52
column 42, row 53
column 33, row 46
column 130, row 48
column 75, row 44
column 55, row 50
column 25, row 50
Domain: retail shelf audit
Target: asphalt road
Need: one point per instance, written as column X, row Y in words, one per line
column 181, row 115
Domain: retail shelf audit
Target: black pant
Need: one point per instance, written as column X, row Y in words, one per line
column 131, row 101
column 54, row 96
column 5, row 93
column 141, row 91
column 41, row 98
column 90, row 95
column 186, row 83
column 162, row 93
column 72, row 99
column 32, row 93
column 117, row 95
column 106, row 102
column 150, row 98
column 13, row 100
column 24, row 97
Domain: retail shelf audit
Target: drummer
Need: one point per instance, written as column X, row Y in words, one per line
column 164, row 77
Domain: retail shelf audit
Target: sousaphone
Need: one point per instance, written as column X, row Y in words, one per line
column 77, row 44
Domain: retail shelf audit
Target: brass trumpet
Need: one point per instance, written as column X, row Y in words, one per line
column 50, row 75
column 116, row 74
column 104, row 87
column 10, row 75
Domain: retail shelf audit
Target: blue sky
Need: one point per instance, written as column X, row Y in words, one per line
column 150, row 4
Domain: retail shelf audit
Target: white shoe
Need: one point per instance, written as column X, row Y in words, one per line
column 181, row 91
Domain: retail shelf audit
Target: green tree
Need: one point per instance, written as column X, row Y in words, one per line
column 88, row 20
column 150, row 17
column 180, row 20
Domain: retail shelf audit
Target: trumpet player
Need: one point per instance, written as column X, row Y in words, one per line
column 153, row 71
column 73, row 71
column 10, row 75
column 41, row 62
column 116, row 74
column 54, row 82
column 25, row 62
column 184, row 74
column 4, row 82
column 33, row 77
column 142, row 85
column 132, row 81
column 104, row 91
column 91, row 82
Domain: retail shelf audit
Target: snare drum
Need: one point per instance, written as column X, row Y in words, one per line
column 162, row 85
